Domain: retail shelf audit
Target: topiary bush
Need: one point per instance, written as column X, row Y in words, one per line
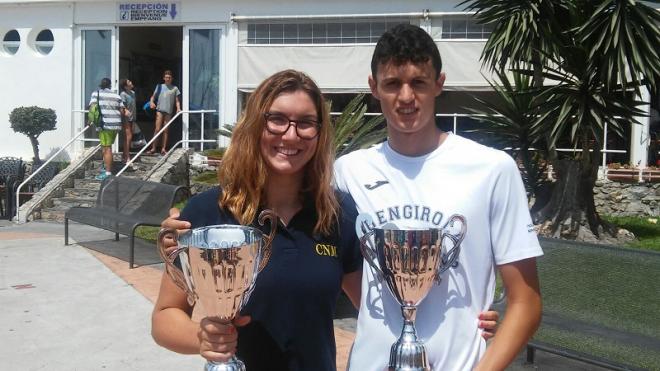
column 32, row 121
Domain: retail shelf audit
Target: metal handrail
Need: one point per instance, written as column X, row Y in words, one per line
column 35, row 172
column 156, row 135
column 174, row 147
column 604, row 151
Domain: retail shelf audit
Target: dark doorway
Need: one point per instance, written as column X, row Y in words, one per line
column 144, row 53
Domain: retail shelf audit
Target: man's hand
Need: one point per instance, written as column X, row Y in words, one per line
column 173, row 222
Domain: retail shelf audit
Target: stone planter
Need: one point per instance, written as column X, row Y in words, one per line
column 633, row 175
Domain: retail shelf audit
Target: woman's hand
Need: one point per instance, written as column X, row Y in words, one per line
column 488, row 322
column 218, row 339
column 173, row 222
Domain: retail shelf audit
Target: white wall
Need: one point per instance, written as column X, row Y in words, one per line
column 29, row 78
column 48, row 81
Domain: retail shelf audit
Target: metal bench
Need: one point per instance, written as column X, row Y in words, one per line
column 601, row 305
column 123, row 204
column 12, row 169
column 42, row 177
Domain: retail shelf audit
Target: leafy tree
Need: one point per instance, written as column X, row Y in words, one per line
column 32, row 121
column 589, row 62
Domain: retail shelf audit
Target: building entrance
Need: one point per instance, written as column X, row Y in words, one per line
column 144, row 54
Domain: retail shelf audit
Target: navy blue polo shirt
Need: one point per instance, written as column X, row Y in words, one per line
column 294, row 298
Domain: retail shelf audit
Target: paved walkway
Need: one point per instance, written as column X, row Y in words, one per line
column 81, row 308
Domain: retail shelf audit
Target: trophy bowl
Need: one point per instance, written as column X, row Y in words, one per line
column 219, row 265
column 410, row 262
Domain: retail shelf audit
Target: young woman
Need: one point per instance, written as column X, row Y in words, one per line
column 128, row 97
column 165, row 100
column 286, row 134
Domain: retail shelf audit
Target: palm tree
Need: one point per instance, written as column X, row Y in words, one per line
column 595, row 57
column 353, row 131
column 510, row 123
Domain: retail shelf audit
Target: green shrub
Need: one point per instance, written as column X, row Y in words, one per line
column 32, row 121
column 208, row 177
column 647, row 231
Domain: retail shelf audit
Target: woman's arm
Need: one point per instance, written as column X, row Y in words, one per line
column 173, row 328
column 171, row 323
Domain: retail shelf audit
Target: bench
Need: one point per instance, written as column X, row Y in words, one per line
column 123, row 204
column 12, row 170
column 601, row 305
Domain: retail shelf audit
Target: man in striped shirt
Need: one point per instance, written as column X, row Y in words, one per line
column 112, row 108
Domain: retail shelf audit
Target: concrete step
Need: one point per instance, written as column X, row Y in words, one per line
column 87, row 183
column 74, row 201
column 55, row 214
column 94, row 168
column 80, row 192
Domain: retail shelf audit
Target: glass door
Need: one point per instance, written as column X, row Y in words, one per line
column 98, row 52
column 201, row 70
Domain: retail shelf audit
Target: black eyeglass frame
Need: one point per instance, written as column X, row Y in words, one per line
column 267, row 115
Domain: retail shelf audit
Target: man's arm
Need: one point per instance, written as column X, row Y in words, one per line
column 523, row 314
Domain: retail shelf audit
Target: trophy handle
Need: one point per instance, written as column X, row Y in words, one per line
column 369, row 253
column 175, row 273
column 268, row 240
column 450, row 258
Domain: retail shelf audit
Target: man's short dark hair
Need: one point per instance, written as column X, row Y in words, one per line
column 406, row 43
column 105, row 83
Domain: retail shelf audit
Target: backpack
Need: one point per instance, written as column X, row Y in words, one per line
column 94, row 116
column 147, row 107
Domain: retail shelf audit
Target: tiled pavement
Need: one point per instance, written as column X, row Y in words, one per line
column 63, row 309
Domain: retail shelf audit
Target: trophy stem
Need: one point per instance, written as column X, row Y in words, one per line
column 233, row 364
column 408, row 353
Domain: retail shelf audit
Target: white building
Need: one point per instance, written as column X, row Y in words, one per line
column 53, row 54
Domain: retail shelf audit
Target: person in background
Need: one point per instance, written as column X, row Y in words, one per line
column 112, row 110
column 166, row 101
column 128, row 98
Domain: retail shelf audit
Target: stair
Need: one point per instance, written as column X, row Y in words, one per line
column 84, row 190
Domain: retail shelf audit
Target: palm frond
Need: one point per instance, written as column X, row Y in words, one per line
column 353, row 131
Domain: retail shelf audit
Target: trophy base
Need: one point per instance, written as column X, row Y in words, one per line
column 234, row 364
column 408, row 356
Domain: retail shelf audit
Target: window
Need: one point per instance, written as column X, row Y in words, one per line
column 44, row 42
column 464, row 27
column 360, row 32
column 11, row 42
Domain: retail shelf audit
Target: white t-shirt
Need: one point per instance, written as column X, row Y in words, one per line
column 459, row 177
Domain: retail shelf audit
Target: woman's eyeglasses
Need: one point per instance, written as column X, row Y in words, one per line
column 278, row 124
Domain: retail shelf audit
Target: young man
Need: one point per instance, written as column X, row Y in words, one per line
column 420, row 177
column 112, row 110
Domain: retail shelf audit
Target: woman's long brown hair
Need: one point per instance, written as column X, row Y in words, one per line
column 244, row 173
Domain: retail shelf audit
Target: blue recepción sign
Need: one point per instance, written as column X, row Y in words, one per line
column 149, row 12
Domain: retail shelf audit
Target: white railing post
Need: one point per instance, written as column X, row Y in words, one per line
column 156, row 135
column 35, row 172
column 201, row 136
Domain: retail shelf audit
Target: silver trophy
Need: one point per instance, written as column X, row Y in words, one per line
column 410, row 261
column 219, row 266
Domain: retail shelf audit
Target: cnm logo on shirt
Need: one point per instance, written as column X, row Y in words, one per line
column 326, row 250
